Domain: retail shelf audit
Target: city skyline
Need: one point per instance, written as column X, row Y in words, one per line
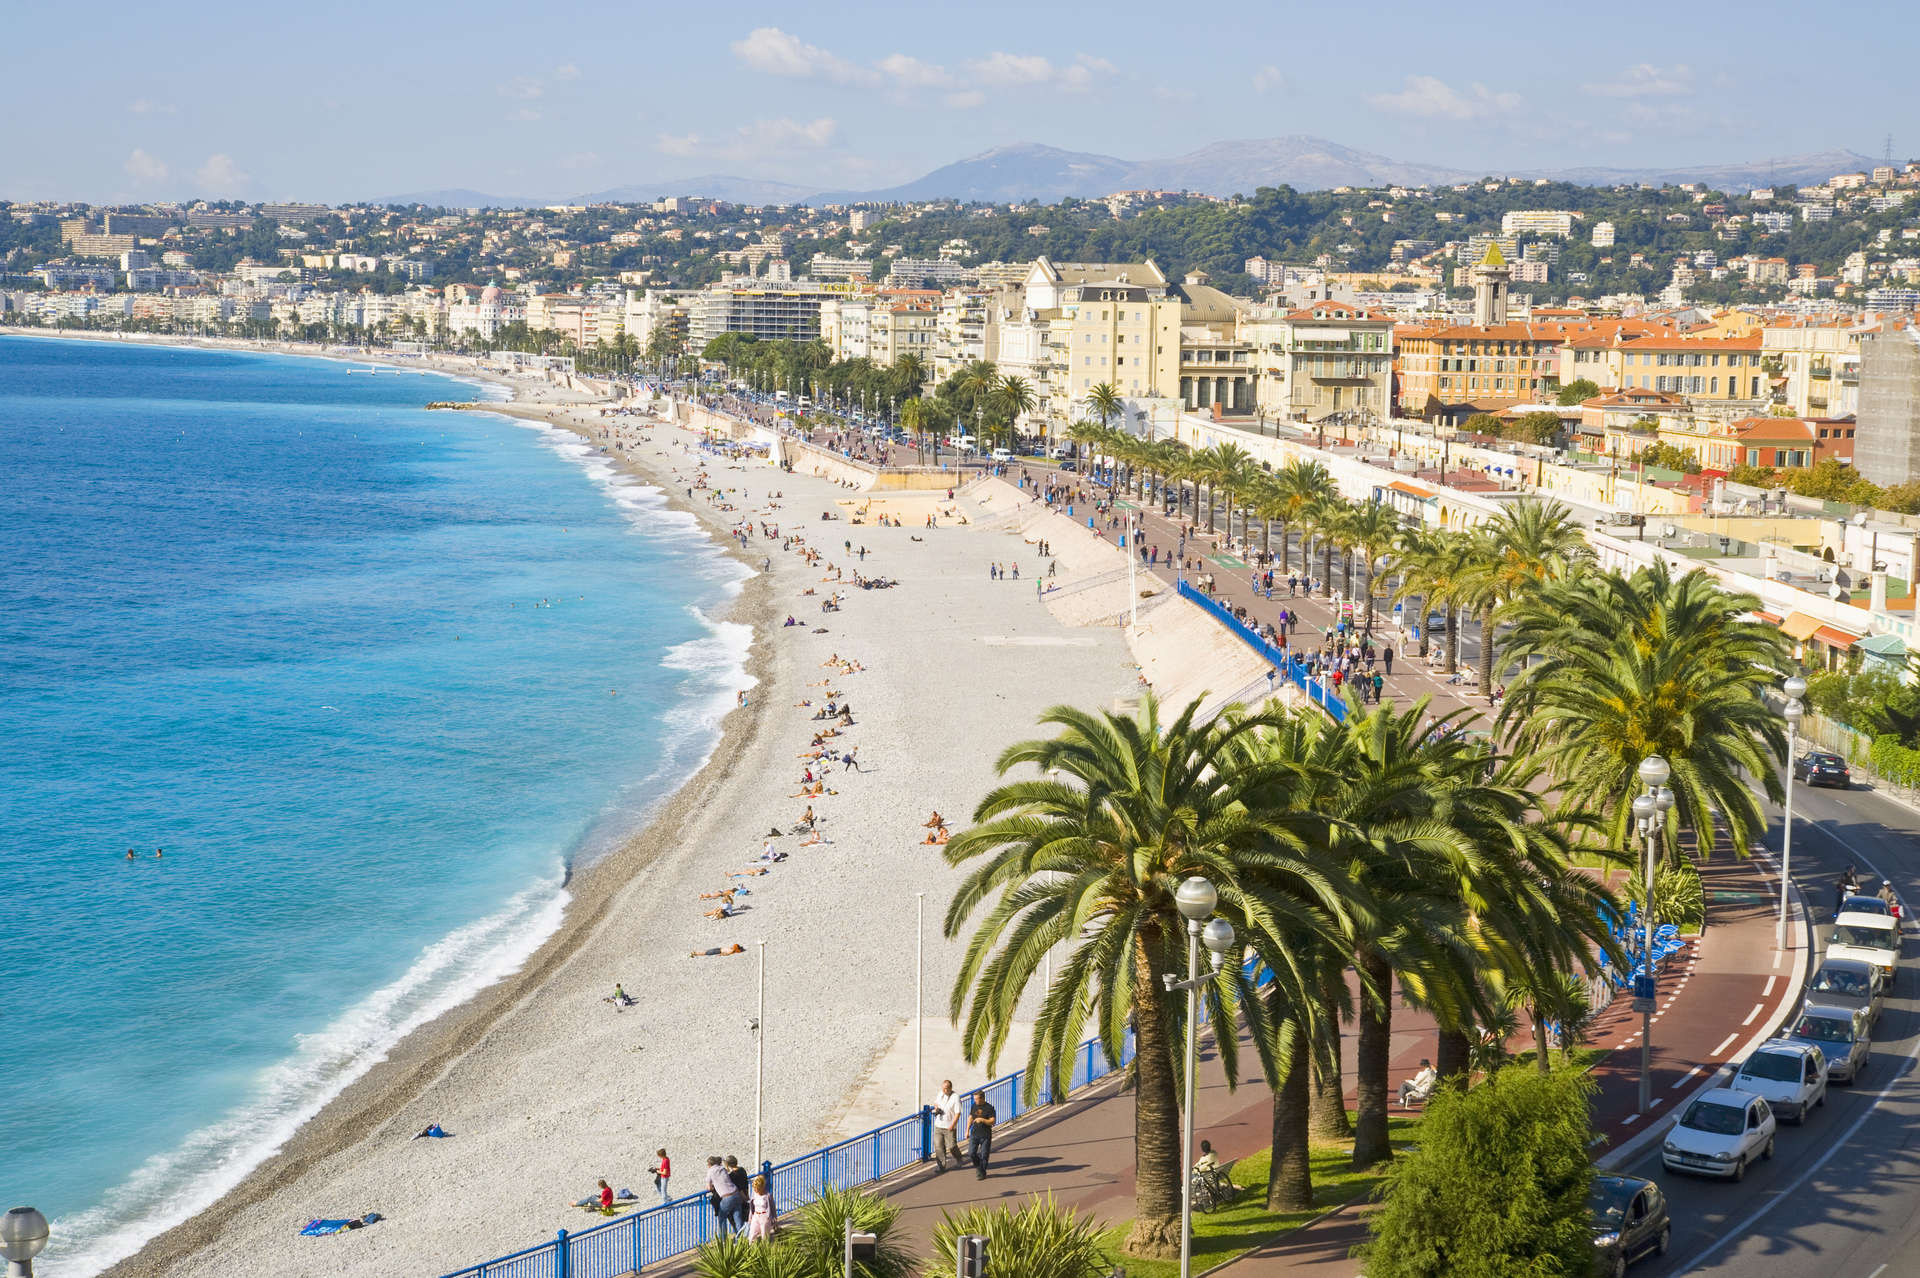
column 516, row 103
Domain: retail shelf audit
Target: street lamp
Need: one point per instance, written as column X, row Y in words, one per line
column 23, row 1234
column 1649, row 809
column 1195, row 898
column 1795, row 688
column 759, row 1027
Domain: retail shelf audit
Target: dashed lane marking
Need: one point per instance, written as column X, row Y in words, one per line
column 1684, row 1078
column 1768, row 992
column 1753, row 1015
column 1724, row 1046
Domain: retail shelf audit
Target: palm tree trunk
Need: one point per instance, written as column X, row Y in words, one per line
column 1453, row 639
column 1486, row 651
column 1370, row 1140
column 1156, row 1118
column 1426, row 631
column 1290, row 1178
column 1326, row 566
column 1540, row 1060
column 1451, row 1057
column 1327, row 1105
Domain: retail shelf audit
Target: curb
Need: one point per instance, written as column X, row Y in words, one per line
column 1621, row 1155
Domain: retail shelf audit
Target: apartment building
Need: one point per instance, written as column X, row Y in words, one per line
column 770, row 314
column 1537, row 222
column 960, row 332
column 1888, row 444
column 1313, row 361
column 1814, row 364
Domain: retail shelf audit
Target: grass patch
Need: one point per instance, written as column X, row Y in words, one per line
column 1219, row 1236
column 1580, row 1059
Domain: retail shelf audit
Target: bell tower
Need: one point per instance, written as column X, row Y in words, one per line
column 1490, row 280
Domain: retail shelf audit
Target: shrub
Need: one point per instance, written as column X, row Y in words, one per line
column 1497, row 1187
column 1898, row 763
column 817, row 1233
column 1039, row 1240
column 1678, row 896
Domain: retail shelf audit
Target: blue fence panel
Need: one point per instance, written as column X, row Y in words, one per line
column 1316, row 689
column 646, row 1239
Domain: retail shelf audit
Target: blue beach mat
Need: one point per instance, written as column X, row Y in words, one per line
column 321, row 1228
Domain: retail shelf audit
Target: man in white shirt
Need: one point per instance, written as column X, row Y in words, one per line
column 946, row 1125
column 1420, row 1086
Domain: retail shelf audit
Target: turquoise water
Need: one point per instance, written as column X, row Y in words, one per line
column 374, row 678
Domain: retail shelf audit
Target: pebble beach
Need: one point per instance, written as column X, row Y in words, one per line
column 544, row 1085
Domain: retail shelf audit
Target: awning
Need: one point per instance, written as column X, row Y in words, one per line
column 1834, row 637
column 1421, row 493
column 1885, row 646
column 1771, row 618
column 1799, row 625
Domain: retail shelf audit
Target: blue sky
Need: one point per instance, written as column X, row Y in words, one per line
column 116, row 101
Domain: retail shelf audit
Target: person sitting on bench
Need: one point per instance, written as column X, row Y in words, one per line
column 1420, row 1086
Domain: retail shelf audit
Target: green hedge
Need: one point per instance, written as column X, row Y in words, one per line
column 1898, row 763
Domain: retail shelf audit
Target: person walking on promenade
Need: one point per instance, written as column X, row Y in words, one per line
column 760, row 1222
column 946, row 1126
column 737, row 1177
column 723, row 1195
column 980, row 1120
column 662, row 1174
column 1386, row 656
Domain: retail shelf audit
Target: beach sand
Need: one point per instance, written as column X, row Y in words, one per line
column 544, row 1086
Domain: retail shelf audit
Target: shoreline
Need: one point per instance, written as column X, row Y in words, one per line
column 423, row 1053
column 480, row 1052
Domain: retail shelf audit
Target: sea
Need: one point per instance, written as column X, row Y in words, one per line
column 311, row 702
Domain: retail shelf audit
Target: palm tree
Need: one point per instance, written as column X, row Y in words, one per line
column 1438, row 567
column 1326, row 518
column 1528, row 543
column 1015, row 396
column 1618, row 668
column 1092, row 854
column 1373, row 530
column 914, row 419
column 1237, row 473
column 1105, row 400
column 1301, row 484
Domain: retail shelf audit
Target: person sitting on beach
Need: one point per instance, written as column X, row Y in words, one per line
column 431, row 1131
column 934, row 822
column 725, row 911
column 807, row 819
column 938, row 835
column 619, row 998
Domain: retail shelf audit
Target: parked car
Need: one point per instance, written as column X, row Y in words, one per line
column 1002, row 455
column 1790, row 1076
column 1872, row 938
column 1843, row 982
column 1436, row 623
column 1840, row 1033
column 1721, row 1134
column 1629, row 1221
column 1859, row 903
column 1818, row 767
column 1068, row 466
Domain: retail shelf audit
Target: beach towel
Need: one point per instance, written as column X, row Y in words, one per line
column 321, row 1228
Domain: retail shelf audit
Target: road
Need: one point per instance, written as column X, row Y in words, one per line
column 1841, row 1197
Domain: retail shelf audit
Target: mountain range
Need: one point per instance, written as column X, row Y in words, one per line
column 1031, row 171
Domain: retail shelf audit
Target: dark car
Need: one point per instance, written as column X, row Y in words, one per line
column 1817, row 767
column 1843, row 982
column 1629, row 1221
column 1068, row 466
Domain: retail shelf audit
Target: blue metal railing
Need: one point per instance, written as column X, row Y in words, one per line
column 1295, row 670
column 644, row 1238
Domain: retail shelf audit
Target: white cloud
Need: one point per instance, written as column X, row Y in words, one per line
column 1268, row 79
column 681, row 144
column 1424, row 95
column 775, row 52
column 523, row 87
column 767, row 137
column 581, row 160
column 1644, row 80
column 525, row 115
column 142, row 167
column 1012, row 69
column 566, row 71
column 1174, row 94
column 909, row 72
column 220, row 175
column 147, row 106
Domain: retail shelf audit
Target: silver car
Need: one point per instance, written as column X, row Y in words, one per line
column 1841, row 1035
column 1790, row 1076
column 1844, row 982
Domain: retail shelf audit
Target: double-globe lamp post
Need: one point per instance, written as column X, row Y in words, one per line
column 1649, row 813
column 23, row 1233
column 1795, row 688
column 1195, row 898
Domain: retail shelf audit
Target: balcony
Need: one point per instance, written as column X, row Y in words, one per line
column 1820, row 373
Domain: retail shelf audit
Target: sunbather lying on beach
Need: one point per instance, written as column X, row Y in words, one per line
column 724, row 895
column 815, row 839
column 938, row 836
column 747, row 874
column 724, row 912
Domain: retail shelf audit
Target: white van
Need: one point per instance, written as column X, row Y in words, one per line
column 1871, row 938
column 1002, row 455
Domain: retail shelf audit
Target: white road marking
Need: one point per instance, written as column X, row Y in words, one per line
column 1684, row 1078
column 1777, row 956
column 1754, row 1014
column 1724, row 1046
column 1768, row 992
column 1876, row 1273
column 1630, row 1120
